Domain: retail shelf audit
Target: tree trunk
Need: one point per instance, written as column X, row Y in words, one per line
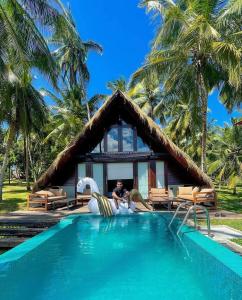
column 234, row 191
column 204, row 107
column 11, row 135
column 32, row 164
column 88, row 112
column 26, row 146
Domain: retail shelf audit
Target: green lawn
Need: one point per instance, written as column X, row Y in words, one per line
column 14, row 197
column 235, row 223
column 228, row 201
column 237, row 241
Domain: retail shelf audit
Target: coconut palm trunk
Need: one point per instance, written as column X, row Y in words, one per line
column 26, row 152
column 203, row 95
column 88, row 112
column 11, row 135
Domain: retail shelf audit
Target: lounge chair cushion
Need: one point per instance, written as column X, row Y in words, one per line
column 43, row 193
column 207, row 190
column 56, row 192
column 185, row 190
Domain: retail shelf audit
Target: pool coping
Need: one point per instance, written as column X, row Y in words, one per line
column 227, row 257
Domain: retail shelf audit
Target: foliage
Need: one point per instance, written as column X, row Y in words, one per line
column 69, row 115
column 226, row 156
column 194, row 53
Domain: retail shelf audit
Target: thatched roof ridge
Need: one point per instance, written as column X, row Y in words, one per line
column 72, row 149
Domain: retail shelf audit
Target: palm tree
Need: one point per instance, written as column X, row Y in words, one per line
column 120, row 84
column 71, row 53
column 70, row 113
column 23, row 109
column 226, row 156
column 148, row 95
column 24, row 46
column 189, row 44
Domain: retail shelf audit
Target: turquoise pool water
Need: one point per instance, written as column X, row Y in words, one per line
column 124, row 257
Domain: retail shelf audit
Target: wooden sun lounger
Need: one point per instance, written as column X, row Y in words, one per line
column 159, row 196
column 205, row 195
column 43, row 201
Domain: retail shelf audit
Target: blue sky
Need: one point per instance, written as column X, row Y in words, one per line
column 125, row 32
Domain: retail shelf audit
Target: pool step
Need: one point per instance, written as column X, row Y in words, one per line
column 10, row 242
column 20, row 232
column 15, row 229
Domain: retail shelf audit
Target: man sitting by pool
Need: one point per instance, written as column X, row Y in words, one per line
column 120, row 194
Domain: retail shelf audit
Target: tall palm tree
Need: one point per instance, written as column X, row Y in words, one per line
column 70, row 114
column 148, row 95
column 226, row 155
column 189, row 44
column 24, row 48
column 71, row 53
column 24, row 45
column 120, row 84
column 23, row 109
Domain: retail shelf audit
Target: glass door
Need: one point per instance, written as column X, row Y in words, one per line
column 98, row 176
column 143, row 182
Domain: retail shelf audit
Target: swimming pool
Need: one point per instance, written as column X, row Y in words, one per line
column 123, row 257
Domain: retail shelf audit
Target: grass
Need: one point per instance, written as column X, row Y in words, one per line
column 234, row 223
column 237, row 241
column 14, row 197
column 228, row 201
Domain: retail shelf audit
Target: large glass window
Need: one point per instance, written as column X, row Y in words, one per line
column 141, row 146
column 128, row 139
column 112, row 140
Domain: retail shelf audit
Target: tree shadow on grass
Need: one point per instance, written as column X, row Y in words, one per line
column 12, row 204
column 20, row 191
column 229, row 201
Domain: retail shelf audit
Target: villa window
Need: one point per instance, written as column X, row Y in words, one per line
column 121, row 137
column 128, row 139
column 113, row 140
column 141, row 146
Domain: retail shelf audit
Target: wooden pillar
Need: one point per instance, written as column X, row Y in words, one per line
column 105, row 179
column 76, row 179
column 152, row 174
column 89, row 170
column 135, row 172
column 166, row 174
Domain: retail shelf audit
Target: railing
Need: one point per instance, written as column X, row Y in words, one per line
column 190, row 208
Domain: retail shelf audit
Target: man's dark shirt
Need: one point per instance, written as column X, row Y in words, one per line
column 120, row 192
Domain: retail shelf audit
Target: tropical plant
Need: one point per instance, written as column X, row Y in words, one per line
column 72, row 53
column 120, row 84
column 191, row 52
column 226, row 156
column 147, row 94
column 70, row 113
column 24, row 48
column 23, row 109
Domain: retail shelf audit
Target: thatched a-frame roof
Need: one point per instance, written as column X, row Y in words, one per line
column 116, row 107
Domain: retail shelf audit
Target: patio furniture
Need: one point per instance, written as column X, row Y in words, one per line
column 197, row 195
column 83, row 198
column 160, row 196
column 47, row 199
